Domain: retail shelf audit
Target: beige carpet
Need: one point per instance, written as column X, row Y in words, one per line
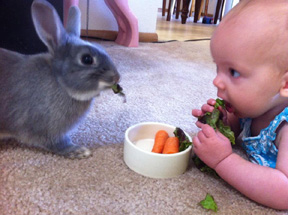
column 163, row 82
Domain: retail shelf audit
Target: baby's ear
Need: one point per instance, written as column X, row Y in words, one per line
column 284, row 85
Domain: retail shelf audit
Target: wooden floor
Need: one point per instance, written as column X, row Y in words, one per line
column 166, row 30
column 175, row 30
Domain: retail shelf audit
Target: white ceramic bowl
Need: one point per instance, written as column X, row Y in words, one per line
column 138, row 144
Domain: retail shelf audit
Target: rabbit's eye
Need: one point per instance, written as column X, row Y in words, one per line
column 87, row 59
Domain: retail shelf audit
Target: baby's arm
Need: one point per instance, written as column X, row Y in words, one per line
column 264, row 185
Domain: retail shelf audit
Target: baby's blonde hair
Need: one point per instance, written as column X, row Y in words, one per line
column 265, row 23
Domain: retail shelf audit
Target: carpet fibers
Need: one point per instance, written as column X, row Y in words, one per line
column 162, row 82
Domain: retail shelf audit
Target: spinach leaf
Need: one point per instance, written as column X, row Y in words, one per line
column 214, row 120
column 209, row 203
column 226, row 131
column 184, row 142
column 117, row 89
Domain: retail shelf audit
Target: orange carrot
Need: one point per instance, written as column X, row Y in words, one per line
column 171, row 145
column 159, row 142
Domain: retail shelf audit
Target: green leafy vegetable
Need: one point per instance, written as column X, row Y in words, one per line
column 214, row 120
column 117, row 89
column 219, row 102
column 211, row 118
column 203, row 167
column 226, row 131
column 209, row 203
column 184, row 142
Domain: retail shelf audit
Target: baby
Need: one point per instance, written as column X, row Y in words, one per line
column 250, row 49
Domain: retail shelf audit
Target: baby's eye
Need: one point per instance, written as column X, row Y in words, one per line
column 234, row 73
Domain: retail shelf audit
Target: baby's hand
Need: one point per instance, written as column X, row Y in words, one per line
column 211, row 146
column 209, row 107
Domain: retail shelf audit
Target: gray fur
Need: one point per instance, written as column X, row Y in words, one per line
column 44, row 96
column 73, row 19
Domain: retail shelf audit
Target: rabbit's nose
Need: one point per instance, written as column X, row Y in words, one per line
column 116, row 78
column 111, row 74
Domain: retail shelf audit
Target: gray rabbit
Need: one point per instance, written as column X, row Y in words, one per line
column 43, row 96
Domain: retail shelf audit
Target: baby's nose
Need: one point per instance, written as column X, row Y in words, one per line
column 218, row 83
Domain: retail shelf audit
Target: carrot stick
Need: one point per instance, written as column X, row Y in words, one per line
column 159, row 142
column 171, row 145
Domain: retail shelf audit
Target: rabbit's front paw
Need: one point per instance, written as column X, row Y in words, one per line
column 66, row 148
column 78, row 152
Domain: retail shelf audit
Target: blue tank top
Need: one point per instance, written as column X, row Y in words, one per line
column 261, row 149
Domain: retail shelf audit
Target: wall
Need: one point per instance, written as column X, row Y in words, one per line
column 100, row 17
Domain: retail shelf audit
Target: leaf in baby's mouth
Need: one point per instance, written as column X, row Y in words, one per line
column 117, row 89
column 214, row 119
column 211, row 118
column 219, row 102
column 226, row 131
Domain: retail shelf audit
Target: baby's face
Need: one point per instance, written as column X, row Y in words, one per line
column 246, row 74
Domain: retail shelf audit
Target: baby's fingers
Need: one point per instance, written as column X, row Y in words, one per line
column 198, row 124
column 211, row 102
column 221, row 136
column 196, row 143
column 197, row 113
column 206, row 133
column 207, row 130
column 207, row 108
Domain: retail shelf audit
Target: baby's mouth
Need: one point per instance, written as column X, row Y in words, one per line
column 229, row 107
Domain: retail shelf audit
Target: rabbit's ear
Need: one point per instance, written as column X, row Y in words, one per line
column 47, row 24
column 73, row 21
